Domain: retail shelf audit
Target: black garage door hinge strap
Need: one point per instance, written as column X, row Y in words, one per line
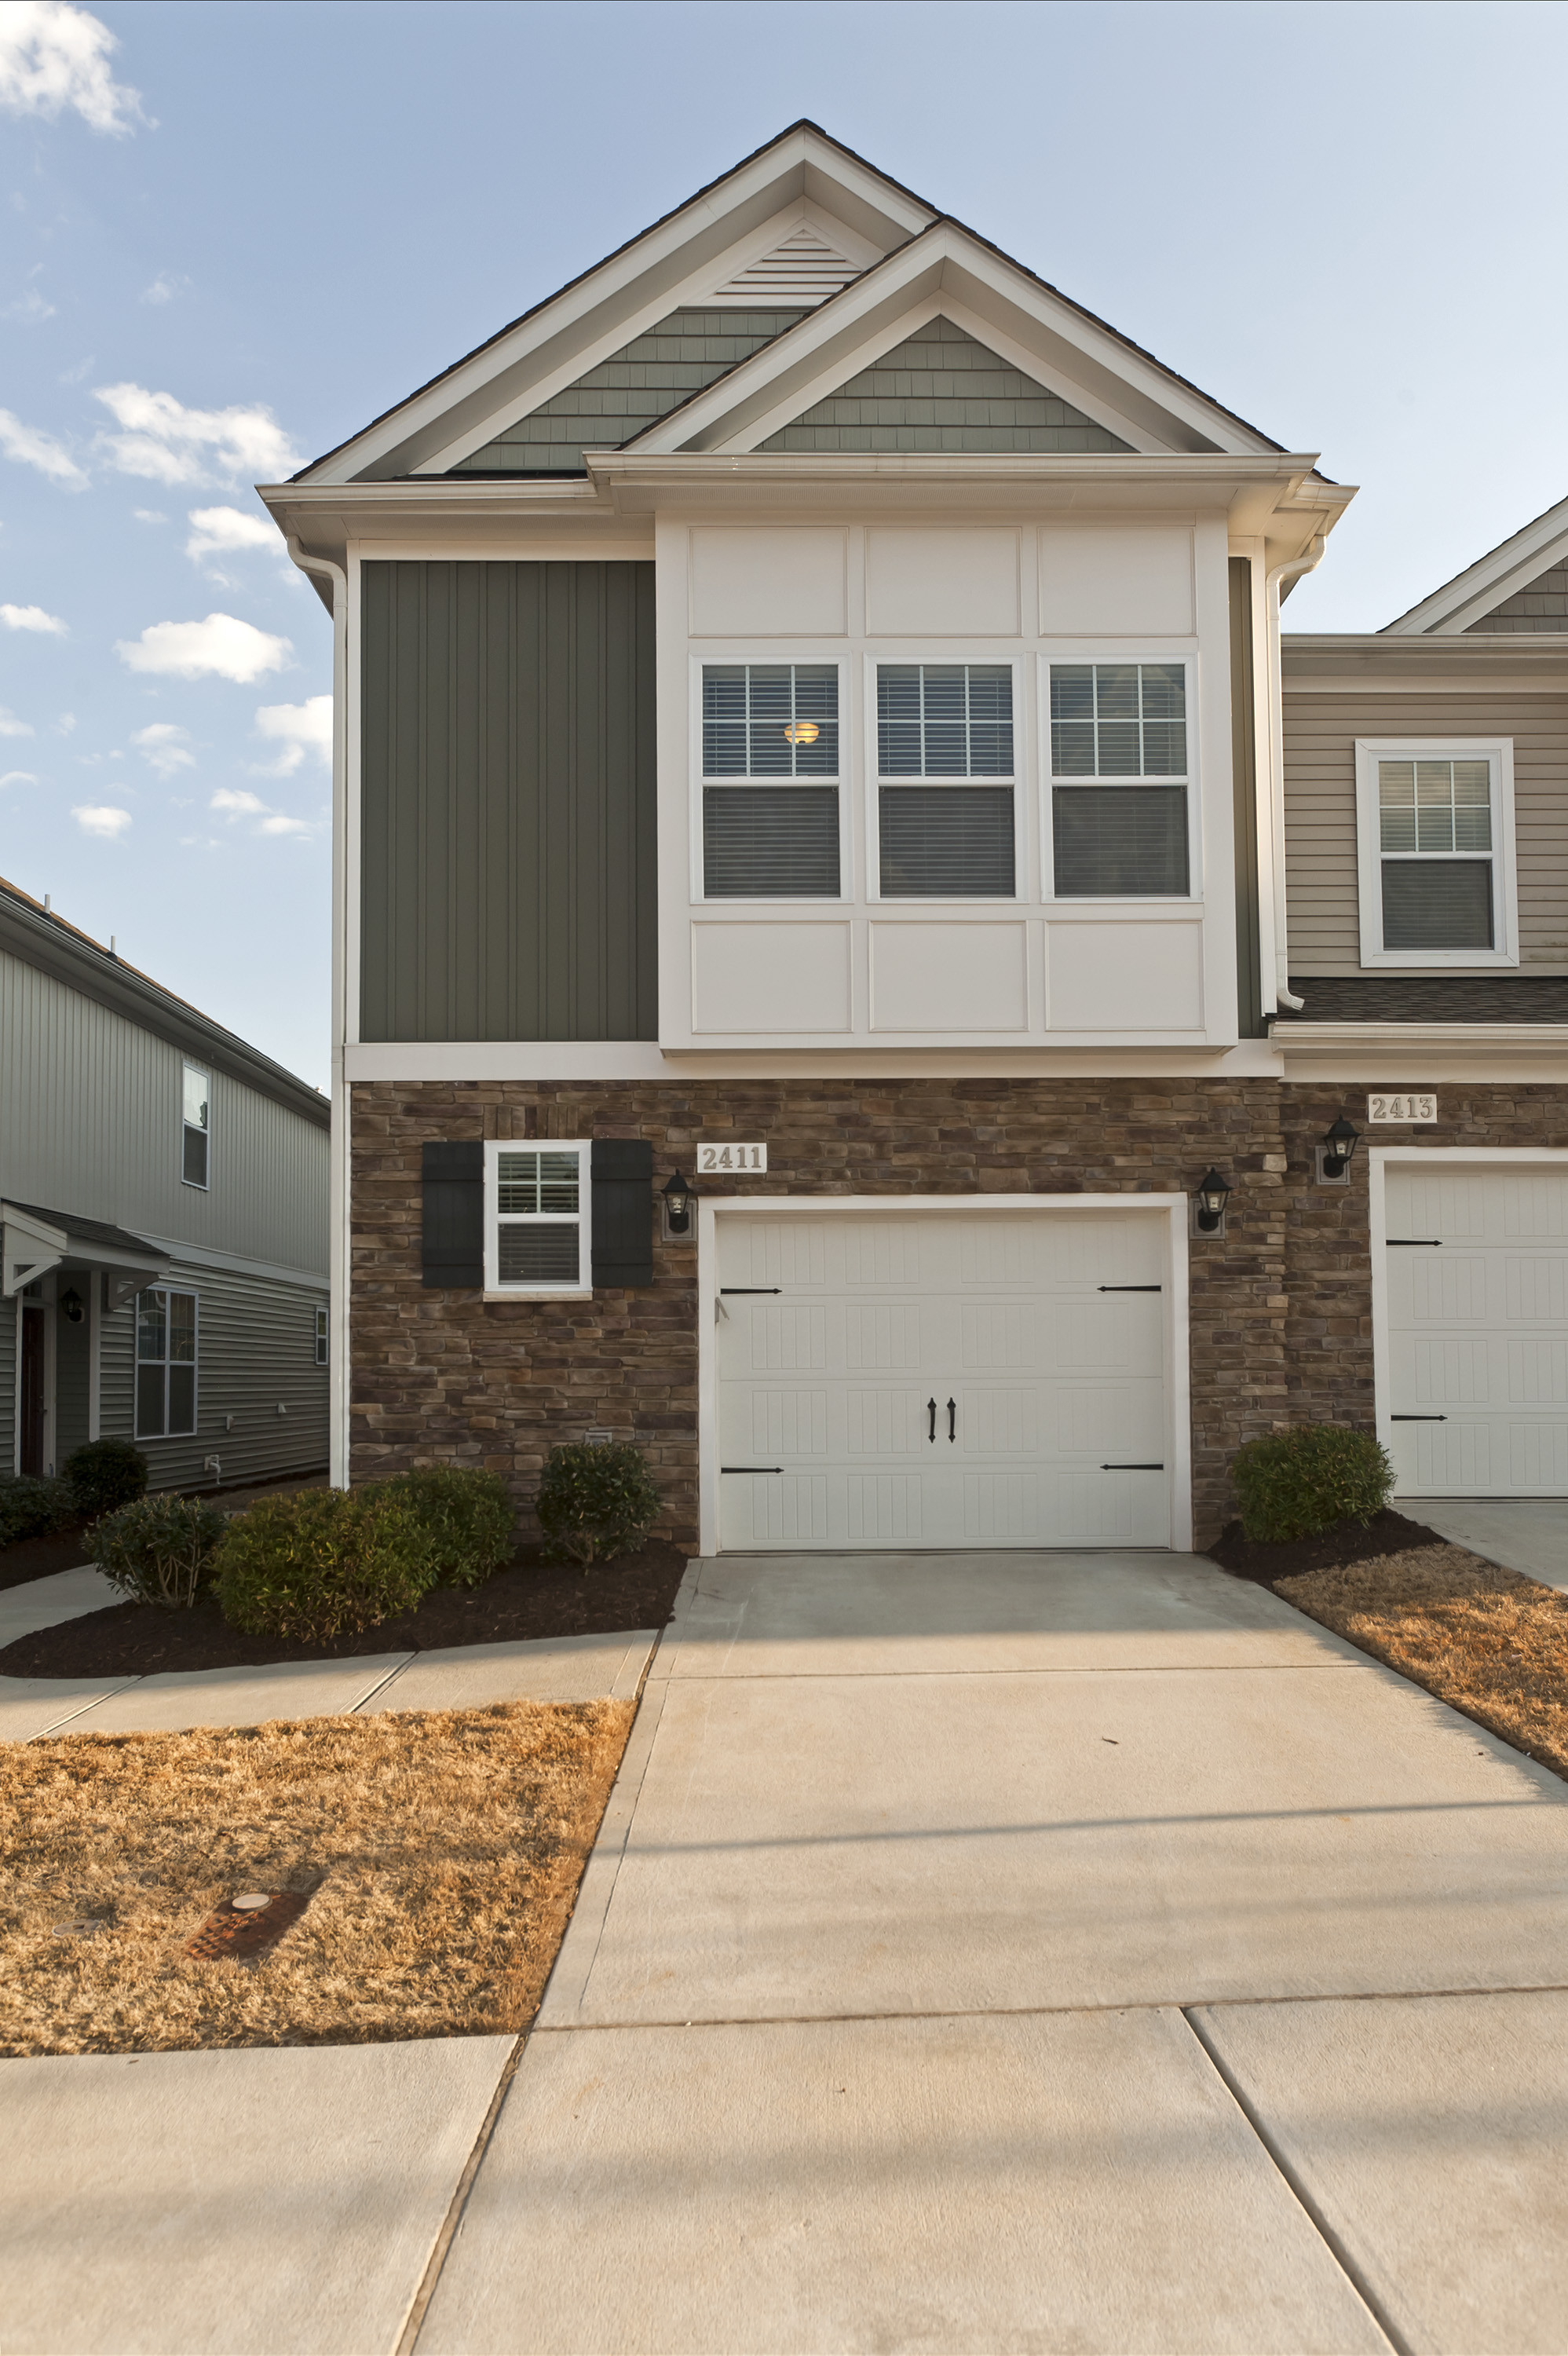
column 750, row 1468
column 1418, row 1419
column 1414, row 1243
column 1129, row 1288
column 1132, row 1468
column 750, row 1288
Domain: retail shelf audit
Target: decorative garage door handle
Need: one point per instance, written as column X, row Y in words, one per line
column 951, row 1420
column 931, row 1410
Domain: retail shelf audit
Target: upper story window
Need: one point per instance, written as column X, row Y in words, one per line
column 937, row 722
column 537, row 1218
column 166, row 1362
column 772, row 730
column 1435, row 825
column 1119, row 777
column 197, row 1139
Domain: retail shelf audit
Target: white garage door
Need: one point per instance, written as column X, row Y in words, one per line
column 994, row 1379
column 1475, row 1389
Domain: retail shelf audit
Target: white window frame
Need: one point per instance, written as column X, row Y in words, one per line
column 1191, row 782
column 972, row 655
column 1497, row 751
column 138, row 1362
column 718, row 656
column 555, row 1291
column 200, row 1185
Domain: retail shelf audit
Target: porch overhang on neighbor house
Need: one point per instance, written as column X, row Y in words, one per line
column 33, row 1241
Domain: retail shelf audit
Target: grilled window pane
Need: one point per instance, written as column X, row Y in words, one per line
column 537, row 1251
column 152, row 1325
column 1116, row 691
column 944, row 720
column 1120, row 842
column 1121, row 754
column 1118, row 720
column 182, row 1327
column 1165, row 748
column 149, row 1402
column 897, row 748
column 1072, row 691
column 1443, row 903
column 1164, row 691
column 1073, row 748
column 946, row 842
column 769, row 719
column 1472, row 829
column 1472, row 782
column 767, row 843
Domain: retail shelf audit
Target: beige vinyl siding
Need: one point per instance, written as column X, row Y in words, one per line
column 1320, row 732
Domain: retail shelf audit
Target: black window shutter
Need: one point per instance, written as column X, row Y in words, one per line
column 454, row 1239
column 622, row 1170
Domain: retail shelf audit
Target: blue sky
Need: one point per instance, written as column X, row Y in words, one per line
column 236, row 232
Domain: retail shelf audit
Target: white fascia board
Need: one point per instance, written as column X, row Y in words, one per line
column 1511, row 566
column 593, row 313
column 946, row 259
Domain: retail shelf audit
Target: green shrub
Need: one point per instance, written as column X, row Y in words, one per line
column 158, row 1550
column 105, row 1474
column 595, row 1502
column 324, row 1562
column 1294, row 1483
column 469, row 1515
column 31, row 1507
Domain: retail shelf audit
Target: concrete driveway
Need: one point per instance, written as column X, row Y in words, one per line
column 1045, row 1952
column 1525, row 1534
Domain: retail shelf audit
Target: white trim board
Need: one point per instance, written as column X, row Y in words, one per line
column 1498, row 753
column 527, row 1062
column 1179, row 1376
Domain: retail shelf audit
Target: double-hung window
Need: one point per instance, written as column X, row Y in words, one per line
column 538, row 1218
column 196, row 1135
column 946, row 822
column 320, row 1337
column 166, row 1362
column 770, row 772
column 1119, row 779
column 1435, row 830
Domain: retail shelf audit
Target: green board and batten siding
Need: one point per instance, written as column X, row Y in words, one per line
column 509, row 822
column 941, row 390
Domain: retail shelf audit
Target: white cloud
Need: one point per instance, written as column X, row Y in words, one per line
column 32, row 618
column 279, row 825
column 30, row 446
column 219, row 530
column 164, row 288
column 31, row 308
column 297, row 729
column 66, row 722
column 219, row 648
column 149, row 515
column 53, row 56
column 11, row 726
column 18, row 778
column 164, row 747
column 167, row 443
column 238, row 802
column 101, row 818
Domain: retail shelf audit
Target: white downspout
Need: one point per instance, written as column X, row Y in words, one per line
column 338, row 1167
column 1291, row 570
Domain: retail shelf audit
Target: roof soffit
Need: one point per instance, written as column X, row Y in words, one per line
column 1494, row 578
column 803, row 175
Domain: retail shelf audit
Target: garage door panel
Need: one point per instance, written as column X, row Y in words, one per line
column 1535, row 1207
column 773, row 1251
column 884, row 1422
column 1448, row 1202
column 891, row 1254
column 1451, row 1372
column 1535, row 1290
column 763, row 1424
column 885, row 1509
column 997, row 1335
column 1538, row 1374
column 787, row 1336
column 879, row 1334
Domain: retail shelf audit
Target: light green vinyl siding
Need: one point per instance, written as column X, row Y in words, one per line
column 940, row 390
column 625, row 393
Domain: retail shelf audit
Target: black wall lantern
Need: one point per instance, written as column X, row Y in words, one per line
column 677, row 1198
column 71, row 1306
column 1334, row 1152
column 1208, row 1204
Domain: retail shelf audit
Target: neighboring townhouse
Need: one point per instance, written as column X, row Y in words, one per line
column 163, row 1225
column 810, row 730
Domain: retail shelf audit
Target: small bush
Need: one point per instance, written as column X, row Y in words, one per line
column 470, row 1517
column 158, row 1550
column 105, row 1474
column 325, row 1562
column 1294, row 1483
column 595, row 1502
column 32, row 1508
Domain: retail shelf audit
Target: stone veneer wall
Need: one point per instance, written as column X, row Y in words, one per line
column 1281, row 1312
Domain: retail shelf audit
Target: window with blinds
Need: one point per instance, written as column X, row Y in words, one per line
column 1119, row 777
column 771, row 732
column 937, row 724
column 536, row 1227
column 1434, row 818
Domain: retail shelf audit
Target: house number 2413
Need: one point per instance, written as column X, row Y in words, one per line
column 713, row 1159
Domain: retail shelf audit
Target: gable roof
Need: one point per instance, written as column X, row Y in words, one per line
column 1504, row 592
column 803, row 194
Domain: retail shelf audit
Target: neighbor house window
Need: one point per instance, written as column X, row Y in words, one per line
column 537, row 1220
column 770, row 732
column 320, row 1337
column 945, row 731
column 1435, row 824
column 197, row 1135
column 1119, row 777
column 166, row 1362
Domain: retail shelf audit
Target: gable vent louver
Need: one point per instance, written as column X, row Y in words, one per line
column 802, row 268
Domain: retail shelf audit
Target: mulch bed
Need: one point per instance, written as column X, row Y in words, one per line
column 1387, row 1533
column 528, row 1599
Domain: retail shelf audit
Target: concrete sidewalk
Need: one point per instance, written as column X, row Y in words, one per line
column 1529, row 1534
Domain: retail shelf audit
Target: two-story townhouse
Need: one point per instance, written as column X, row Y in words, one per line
column 811, row 902
column 163, row 1223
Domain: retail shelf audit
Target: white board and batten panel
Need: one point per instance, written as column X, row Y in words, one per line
column 1116, row 579
column 946, row 584
column 956, row 979
column 1472, row 1379
column 1125, row 974
column 754, row 977
column 914, row 1378
column 789, row 582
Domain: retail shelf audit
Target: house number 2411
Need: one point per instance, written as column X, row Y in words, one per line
column 713, row 1159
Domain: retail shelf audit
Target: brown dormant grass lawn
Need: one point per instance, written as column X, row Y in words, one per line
column 1490, row 1642
column 450, row 1843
